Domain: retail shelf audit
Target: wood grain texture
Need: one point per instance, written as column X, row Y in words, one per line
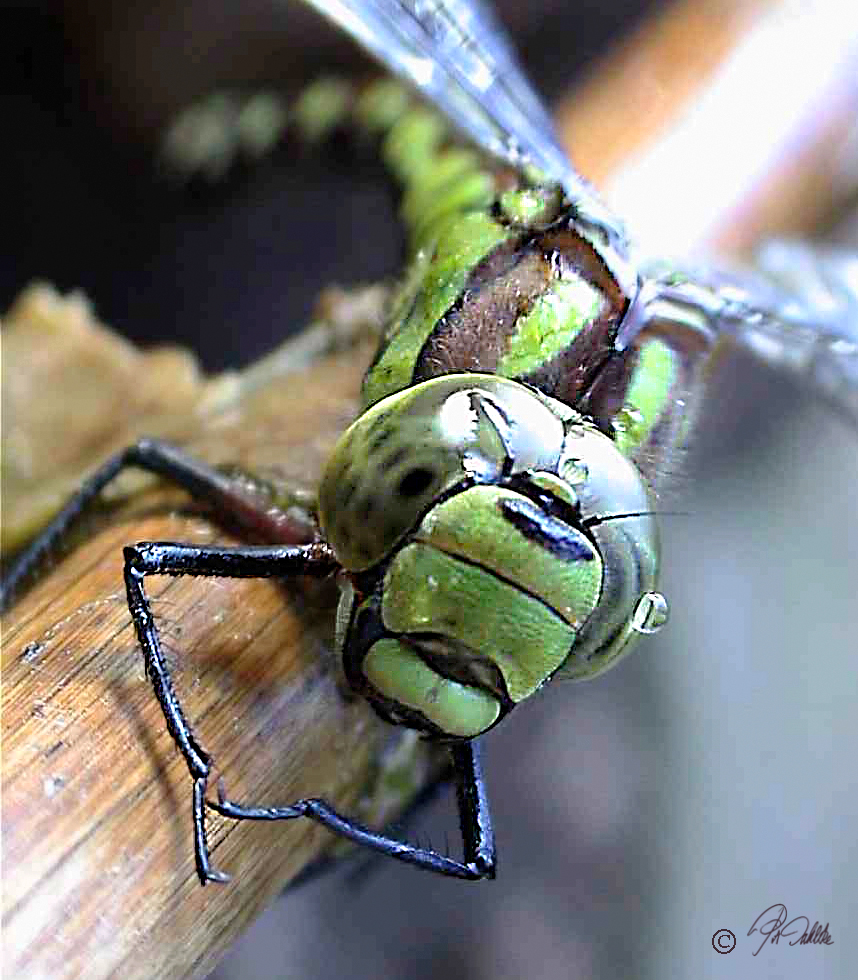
column 97, row 850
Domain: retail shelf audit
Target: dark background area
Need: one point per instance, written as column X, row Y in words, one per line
column 86, row 92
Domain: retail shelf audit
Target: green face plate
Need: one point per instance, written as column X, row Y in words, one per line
column 465, row 604
column 503, row 533
column 399, row 674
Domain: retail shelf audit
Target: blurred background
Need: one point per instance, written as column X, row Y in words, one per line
column 708, row 777
column 88, row 90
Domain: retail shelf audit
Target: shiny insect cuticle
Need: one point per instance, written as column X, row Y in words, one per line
column 490, row 514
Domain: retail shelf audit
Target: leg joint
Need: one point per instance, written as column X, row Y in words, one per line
column 143, row 558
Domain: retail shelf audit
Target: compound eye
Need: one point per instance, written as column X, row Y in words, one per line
column 617, row 508
column 396, row 459
column 370, row 500
column 415, row 483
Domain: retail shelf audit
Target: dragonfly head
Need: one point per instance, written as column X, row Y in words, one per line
column 492, row 539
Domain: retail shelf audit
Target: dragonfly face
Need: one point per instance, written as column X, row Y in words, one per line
column 493, row 538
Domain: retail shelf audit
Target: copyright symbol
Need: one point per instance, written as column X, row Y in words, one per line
column 723, row 941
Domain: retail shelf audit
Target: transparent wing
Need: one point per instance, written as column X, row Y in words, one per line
column 796, row 312
column 460, row 58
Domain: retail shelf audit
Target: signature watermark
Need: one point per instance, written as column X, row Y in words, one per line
column 773, row 926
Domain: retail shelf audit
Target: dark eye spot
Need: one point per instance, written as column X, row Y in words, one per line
column 415, row 482
column 378, row 437
column 395, row 458
column 364, row 551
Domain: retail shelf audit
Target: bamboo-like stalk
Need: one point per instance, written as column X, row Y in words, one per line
column 98, row 871
column 97, row 859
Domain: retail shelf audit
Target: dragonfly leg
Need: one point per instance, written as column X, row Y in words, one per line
column 165, row 558
column 239, row 498
column 474, row 819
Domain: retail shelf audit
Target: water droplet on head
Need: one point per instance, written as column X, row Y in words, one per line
column 650, row 613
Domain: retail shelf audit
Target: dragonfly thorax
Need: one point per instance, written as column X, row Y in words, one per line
column 458, row 509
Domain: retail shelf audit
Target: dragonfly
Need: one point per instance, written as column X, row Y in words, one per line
column 491, row 515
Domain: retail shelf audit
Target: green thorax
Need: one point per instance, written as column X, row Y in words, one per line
column 503, row 279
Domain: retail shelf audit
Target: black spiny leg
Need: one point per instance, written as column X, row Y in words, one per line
column 202, row 482
column 474, row 820
column 164, row 558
